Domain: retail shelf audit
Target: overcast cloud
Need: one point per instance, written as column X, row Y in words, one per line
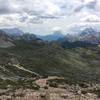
column 47, row 15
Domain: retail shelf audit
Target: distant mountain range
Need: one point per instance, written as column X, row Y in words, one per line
column 88, row 36
column 9, row 36
column 52, row 37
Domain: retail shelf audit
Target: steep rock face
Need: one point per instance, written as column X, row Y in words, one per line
column 13, row 31
column 88, row 31
column 90, row 39
column 28, row 37
column 85, row 38
column 90, row 35
column 5, row 40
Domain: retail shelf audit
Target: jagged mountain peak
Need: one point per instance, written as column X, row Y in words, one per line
column 5, row 40
column 13, row 31
column 88, row 30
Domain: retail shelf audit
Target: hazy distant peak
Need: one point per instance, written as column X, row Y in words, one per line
column 13, row 31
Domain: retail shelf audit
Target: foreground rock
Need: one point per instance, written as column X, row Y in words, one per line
column 50, row 92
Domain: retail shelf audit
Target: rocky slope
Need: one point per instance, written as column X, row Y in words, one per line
column 48, row 89
column 85, row 38
column 5, row 40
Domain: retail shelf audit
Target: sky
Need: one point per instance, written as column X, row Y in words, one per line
column 45, row 16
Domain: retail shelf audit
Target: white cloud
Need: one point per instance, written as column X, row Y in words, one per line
column 48, row 14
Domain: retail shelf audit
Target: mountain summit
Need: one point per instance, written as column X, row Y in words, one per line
column 13, row 31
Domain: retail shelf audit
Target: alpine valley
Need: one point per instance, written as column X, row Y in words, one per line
column 59, row 61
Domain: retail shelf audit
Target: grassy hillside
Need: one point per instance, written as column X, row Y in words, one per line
column 75, row 64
